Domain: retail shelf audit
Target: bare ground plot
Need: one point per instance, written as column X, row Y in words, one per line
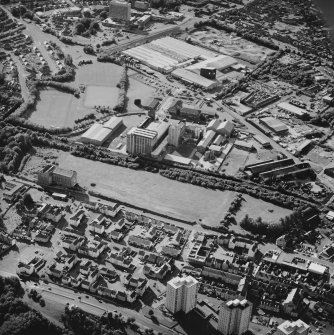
column 11, row 220
column 235, row 160
column 319, row 156
column 232, row 45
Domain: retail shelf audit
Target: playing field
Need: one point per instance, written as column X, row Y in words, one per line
column 56, row 109
column 59, row 109
column 152, row 191
column 101, row 96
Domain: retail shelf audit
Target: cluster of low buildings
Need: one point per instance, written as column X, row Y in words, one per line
column 277, row 168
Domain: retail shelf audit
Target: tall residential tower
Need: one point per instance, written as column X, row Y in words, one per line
column 181, row 294
column 234, row 317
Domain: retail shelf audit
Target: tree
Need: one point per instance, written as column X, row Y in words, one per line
column 28, row 200
column 151, row 312
column 68, row 60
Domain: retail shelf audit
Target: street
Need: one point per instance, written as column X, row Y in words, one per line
column 62, row 296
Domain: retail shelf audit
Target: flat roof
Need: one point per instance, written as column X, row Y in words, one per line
column 113, row 122
column 143, row 132
column 292, row 109
column 177, row 159
column 274, row 123
column 160, row 127
column 219, row 63
column 194, row 78
column 63, row 172
column 317, row 268
column 177, row 282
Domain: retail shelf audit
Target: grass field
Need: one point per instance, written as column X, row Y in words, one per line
column 56, row 109
column 59, row 109
column 101, row 96
column 254, row 208
column 152, row 191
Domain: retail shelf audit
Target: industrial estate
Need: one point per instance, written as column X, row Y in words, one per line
column 166, row 167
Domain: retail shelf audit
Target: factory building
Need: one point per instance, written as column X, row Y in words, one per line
column 206, row 141
column 274, row 125
column 225, row 128
column 142, row 141
column 99, row 133
column 175, row 133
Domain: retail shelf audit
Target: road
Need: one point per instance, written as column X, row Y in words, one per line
column 22, row 74
column 91, row 305
column 254, row 130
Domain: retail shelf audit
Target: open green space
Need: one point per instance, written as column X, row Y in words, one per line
column 59, row 109
column 101, row 96
column 157, row 193
column 56, row 109
column 258, row 208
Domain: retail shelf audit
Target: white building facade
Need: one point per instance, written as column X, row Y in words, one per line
column 181, row 294
column 234, row 317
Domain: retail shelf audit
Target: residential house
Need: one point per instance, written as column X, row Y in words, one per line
column 140, row 242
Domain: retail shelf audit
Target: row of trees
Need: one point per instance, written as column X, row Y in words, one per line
column 266, row 194
column 14, row 147
column 294, row 222
column 105, row 156
column 17, row 142
column 86, row 27
column 80, row 322
column 123, row 86
column 59, row 86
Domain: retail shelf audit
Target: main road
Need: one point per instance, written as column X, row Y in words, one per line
column 63, row 296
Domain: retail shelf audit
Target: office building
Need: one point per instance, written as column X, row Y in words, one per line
column 234, row 317
column 56, row 176
column 120, row 10
column 175, row 133
column 181, row 294
column 141, row 141
column 298, row 327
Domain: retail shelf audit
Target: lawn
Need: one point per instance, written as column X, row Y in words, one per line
column 152, row 191
column 101, row 96
column 59, row 109
column 56, row 109
column 254, row 208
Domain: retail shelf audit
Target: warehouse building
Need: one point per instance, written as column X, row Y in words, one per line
column 225, row 128
column 166, row 54
column 291, row 109
column 274, row 125
column 195, row 79
column 142, row 141
column 206, row 141
column 99, row 133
